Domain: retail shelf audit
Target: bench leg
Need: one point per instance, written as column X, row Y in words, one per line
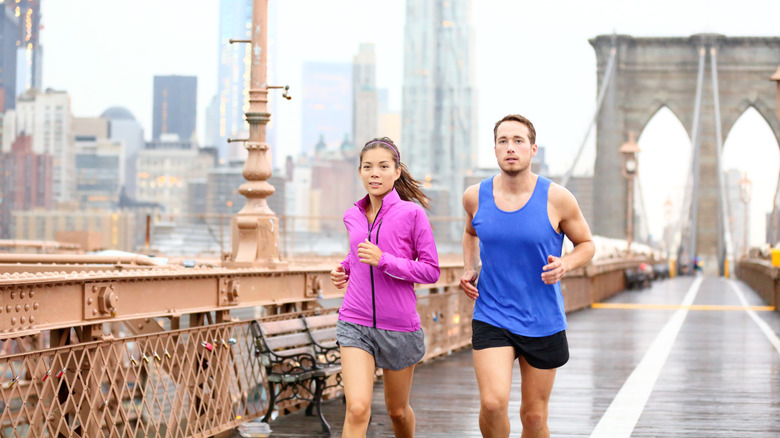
column 319, row 386
column 271, row 401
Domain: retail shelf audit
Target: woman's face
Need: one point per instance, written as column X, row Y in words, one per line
column 378, row 171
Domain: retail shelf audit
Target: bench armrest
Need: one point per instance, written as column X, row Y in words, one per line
column 290, row 365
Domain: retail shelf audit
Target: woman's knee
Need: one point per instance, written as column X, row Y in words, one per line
column 358, row 411
column 398, row 413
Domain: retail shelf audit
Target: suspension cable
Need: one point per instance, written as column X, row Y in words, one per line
column 605, row 84
column 642, row 208
column 719, row 160
column 694, row 208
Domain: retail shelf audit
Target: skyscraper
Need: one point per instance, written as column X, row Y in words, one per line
column 47, row 117
column 122, row 126
column 235, row 22
column 100, row 164
column 175, row 102
column 365, row 111
column 25, row 181
column 9, row 29
column 439, row 95
column 29, row 72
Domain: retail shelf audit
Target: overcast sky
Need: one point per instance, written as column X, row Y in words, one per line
column 533, row 58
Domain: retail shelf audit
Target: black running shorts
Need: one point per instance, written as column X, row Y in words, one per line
column 545, row 352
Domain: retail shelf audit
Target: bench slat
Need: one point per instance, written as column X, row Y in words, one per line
column 315, row 322
column 283, row 342
column 324, row 335
column 285, row 326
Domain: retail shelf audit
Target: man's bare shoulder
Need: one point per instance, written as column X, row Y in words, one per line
column 471, row 198
column 471, row 191
column 561, row 197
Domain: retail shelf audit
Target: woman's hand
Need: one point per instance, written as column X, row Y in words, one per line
column 369, row 253
column 339, row 277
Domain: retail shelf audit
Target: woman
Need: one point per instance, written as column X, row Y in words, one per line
column 391, row 248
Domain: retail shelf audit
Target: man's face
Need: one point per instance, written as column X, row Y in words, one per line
column 513, row 149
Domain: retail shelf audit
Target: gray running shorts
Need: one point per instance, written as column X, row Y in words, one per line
column 392, row 350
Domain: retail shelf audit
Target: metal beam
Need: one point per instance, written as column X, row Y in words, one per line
column 34, row 302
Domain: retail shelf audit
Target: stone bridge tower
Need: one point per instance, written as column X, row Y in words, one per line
column 651, row 73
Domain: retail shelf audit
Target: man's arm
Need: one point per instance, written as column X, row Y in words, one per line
column 470, row 244
column 571, row 223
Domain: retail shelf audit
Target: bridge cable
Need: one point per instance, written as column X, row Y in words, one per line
column 606, row 82
column 643, row 209
column 695, row 141
column 726, row 245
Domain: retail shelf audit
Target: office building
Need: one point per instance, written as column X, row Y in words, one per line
column 439, row 95
column 365, row 111
column 175, row 103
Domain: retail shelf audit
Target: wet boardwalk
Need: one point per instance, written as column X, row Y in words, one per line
column 688, row 357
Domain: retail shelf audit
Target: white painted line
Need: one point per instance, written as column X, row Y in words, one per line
column 770, row 334
column 624, row 411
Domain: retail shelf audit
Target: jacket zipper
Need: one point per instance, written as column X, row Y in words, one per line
column 371, row 268
column 373, row 297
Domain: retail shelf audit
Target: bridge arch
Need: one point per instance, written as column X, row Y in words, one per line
column 664, row 164
column 654, row 72
column 749, row 137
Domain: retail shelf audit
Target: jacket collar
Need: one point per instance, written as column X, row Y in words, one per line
column 390, row 198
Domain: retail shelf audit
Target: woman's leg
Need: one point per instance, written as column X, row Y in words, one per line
column 357, row 373
column 398, row 384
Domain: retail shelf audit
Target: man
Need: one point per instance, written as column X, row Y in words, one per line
column 516, row 222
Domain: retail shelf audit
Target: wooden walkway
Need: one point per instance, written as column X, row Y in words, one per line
column 684, row 358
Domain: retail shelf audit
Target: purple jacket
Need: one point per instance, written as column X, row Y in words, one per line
column 383, row 296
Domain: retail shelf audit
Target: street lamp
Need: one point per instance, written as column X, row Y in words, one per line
column 745, row 191
column 630, row 153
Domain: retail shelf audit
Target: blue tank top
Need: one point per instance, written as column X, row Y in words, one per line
column 514, row 246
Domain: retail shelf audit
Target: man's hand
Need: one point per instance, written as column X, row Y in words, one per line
column 554, row 270
column 467, row 283
column 339, row 277
column 369, row 253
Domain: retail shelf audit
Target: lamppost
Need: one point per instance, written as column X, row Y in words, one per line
column 745, row 191
column 630, row 153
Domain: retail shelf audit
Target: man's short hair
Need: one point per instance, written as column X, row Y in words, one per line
column 520, row 119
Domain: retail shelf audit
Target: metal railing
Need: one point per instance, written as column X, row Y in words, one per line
column 127, row 352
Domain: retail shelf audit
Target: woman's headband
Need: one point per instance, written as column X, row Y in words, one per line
column 398, row 157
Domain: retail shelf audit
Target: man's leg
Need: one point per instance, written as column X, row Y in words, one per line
column 493, row 367
column 536, row 387
column 357, row 372
column 398, row 384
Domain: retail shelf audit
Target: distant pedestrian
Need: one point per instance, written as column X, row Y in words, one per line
column 516, row 222
column 391, row 248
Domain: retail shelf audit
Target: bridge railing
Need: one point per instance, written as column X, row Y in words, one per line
column 762, row 277
column 152, row 351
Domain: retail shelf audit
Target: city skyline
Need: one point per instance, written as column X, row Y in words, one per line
column 556, row 89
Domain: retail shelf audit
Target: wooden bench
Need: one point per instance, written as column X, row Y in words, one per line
column 296, row 354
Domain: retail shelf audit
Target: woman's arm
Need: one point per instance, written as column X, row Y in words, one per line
column 423, row 270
